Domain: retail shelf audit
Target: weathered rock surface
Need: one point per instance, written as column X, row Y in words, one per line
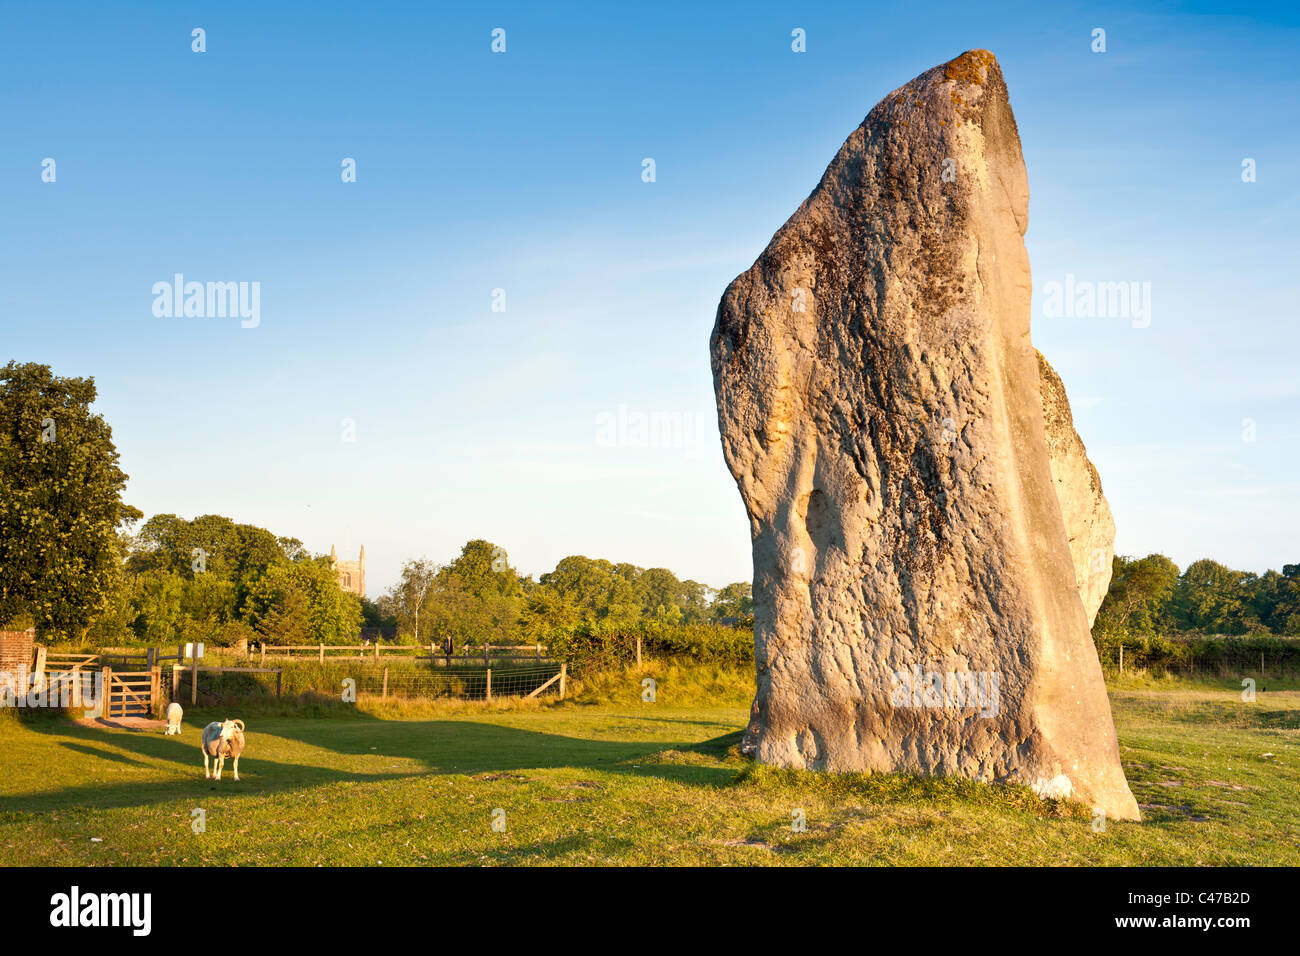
column 1088, row 521
column 917, row 605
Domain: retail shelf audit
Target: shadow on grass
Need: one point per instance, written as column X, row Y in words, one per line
column 558, row 850
column 676, row 720
column 180, row 773
column 441, row 746
column 101, row 754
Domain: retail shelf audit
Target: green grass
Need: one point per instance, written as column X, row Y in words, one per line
column 608, row 779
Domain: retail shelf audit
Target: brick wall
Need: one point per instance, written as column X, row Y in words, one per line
column 16, row 650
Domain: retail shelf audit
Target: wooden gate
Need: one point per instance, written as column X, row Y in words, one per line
column 130, row 693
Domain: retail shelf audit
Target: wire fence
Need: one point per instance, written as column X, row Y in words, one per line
column 1216, row 657
column 412, row 680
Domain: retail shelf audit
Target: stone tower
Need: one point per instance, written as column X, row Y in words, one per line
column 351, row 574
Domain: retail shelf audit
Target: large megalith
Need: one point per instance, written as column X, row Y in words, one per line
column 910, row 475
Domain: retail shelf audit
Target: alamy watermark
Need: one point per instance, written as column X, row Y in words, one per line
column 208, row 300
column 58, row 690
column 74, row 908
column 950, row 690
column 1085, row 299
column 628, row 428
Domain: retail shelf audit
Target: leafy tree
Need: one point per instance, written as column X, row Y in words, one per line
column 1211, row 598
column 545, row 612
column 158, row 597
column 112, row 626
column 663, row 597
column 377, row 613
column 735, row 600
column 1140, row 596
column 407, row 598
column 211, row 545
column 695, row 601
column 482, row 571
column 60, row 501
column 596, row 590
column 304, row 598
column 1282, row 610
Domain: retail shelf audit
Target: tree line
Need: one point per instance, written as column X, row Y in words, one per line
column 477, row 597
column 71, row 566
column 1151, row 597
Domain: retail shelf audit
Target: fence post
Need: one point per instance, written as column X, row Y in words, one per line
column 262, row 662
column 1121, row 658
column 564, row 673
column 638, row 650
column 322, row 653
column 487, row 651
column 385, row 682
column 278, row 674
column 539, row 650
column 107, row 692
column 376, row 647
column 194, row 683
column 155, row 687
column 39, row 667
column 489, row 683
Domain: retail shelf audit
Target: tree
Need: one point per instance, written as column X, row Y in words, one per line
column 60, row 501
column 377, row 613
column 597, row 590
column 1140, row 596
column 482, row 570
column 1211, row 597
column 158, row 597
column 1283, row 612
column 662, row 595
column 408, row 596
column 735, row 600
column 546, row 611
column 304, row 598
column 217, row 563
column 112, row 626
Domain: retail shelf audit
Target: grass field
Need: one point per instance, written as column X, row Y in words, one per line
column 616, row 781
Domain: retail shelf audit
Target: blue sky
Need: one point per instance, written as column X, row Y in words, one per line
column 522, row 171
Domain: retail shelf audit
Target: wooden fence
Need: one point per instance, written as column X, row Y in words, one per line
column 377, row 651
column 132, row 684
column 423, row 682
column 146, row 657
column 132, row 693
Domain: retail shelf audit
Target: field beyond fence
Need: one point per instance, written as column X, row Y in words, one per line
column 491, row 672
column 462, row 679
column 147, row 678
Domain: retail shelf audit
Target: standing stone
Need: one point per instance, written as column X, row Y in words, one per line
column 917, row 603
column 1088, row 522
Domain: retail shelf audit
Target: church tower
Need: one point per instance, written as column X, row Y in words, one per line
column 351, row 575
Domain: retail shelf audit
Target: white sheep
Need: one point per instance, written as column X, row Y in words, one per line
column 174, row 715
column 222, row 740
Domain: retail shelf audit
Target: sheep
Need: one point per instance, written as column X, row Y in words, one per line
column 222, row 740
column 174, row 715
